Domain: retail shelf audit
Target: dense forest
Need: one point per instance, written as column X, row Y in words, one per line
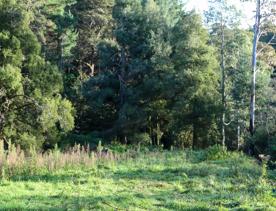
column 137, row 72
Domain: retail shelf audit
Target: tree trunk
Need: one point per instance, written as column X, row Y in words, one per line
column 238, row 131
column 2, row 124
column 60, row 50
column 238, row 137
column 122, row 77
column 223, row 97
column 195, row 136
column 254, row 67
column 122, row 91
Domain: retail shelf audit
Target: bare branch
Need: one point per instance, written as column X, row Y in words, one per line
column 228, row 123
column 266, row 45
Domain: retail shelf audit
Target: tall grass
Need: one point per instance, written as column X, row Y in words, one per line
column 15, row 161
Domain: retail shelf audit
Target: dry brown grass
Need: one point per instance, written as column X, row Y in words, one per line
column 15, row 161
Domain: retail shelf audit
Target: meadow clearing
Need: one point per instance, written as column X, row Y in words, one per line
column 172, row 180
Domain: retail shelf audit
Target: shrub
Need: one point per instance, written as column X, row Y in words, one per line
column 83, row 139
column 140, row 138
column 265, row 142
column 216, row 152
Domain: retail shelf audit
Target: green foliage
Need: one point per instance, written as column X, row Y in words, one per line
column 28, row 141
column 91, row 139
column 54, row 28
column 56, row 110
column 31, row 105
column 99, row 147
column 11, row 81
column 264, row 141
column 45, row 79
column 216, row 152
column 198, row 106
column 140, row 139
column 135, row 71
column 93, row 22
column 147, row 79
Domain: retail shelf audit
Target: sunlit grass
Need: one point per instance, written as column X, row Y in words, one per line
column 180, row 180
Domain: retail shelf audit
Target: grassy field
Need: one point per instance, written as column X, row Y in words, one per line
column 181, row 180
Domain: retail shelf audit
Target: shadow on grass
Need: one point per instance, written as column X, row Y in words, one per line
column 163, row 175
column 45, row 178
column 160, row 200
column 57, row 177
column 171, row 174
column 60, row 203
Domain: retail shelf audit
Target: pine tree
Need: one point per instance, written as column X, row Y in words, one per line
column 147, row 72
column 93, row 22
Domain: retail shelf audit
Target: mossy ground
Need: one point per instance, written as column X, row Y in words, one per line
column 149, row 181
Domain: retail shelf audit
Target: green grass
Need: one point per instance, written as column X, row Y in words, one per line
column 149, row 181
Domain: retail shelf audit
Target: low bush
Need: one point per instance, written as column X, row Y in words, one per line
column 216, row 152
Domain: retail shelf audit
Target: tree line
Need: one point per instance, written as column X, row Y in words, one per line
column 136, row 72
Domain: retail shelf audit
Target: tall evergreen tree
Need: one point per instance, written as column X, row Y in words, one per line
column 146, row 74
column 93, row 22
column 197, row 77
column 32, row 110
